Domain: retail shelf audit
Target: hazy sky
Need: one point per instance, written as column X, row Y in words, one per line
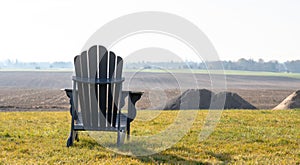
column 56, row 30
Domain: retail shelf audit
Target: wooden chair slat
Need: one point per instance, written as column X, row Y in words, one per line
column 111, row 73
column 102, row 87
column 118, row 87
column 92, row 70
column 77, row 64
column 84, row 73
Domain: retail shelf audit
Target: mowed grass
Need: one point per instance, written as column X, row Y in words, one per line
column 241, row 137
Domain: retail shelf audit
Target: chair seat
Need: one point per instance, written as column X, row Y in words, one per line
column 79, row 125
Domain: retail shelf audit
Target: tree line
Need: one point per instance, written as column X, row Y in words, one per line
column 241, row 64
column 261, row 65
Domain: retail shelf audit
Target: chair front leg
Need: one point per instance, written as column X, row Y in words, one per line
column 70, row 140
column 132, row 99
column 73, row 134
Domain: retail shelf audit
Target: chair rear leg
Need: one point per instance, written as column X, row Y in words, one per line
column 128, row 130
column 76, row 136
column 118, row 138
column 121, row 137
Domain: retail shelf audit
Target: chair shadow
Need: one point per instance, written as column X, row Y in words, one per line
column 161, row 157
column 158, row 158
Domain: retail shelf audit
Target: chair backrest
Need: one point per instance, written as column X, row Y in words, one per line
column 99, row 82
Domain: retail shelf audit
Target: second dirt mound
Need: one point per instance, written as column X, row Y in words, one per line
column 205, row 99
column 291, row 102
column 232, row 101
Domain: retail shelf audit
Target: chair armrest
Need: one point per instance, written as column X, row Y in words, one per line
column 133, row 97
column 69, row 93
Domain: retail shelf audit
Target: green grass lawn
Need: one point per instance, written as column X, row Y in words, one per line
column 242, row 136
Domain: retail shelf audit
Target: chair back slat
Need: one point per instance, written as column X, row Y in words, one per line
column 118, row 88
column 85, row 92
column 111, row 87
column 92, row 74
column 79, row 85
column 102, row 87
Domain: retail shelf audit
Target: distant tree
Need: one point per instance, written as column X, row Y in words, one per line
column 293, row 66
column 261, row 61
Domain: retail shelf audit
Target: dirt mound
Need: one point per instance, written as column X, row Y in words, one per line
column 232, row 101
column 291, row 102
column 187, row 100
column 203, row 99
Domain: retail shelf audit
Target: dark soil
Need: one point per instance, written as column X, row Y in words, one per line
column 41, row 90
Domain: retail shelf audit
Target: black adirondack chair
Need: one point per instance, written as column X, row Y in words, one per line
column 97, row 97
